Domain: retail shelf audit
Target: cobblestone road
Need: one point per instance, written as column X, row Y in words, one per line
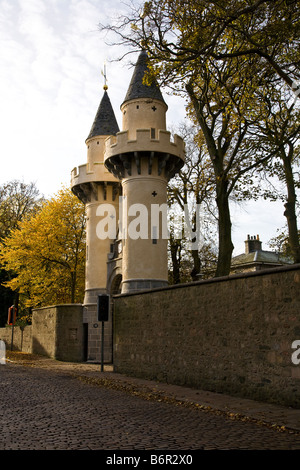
column 48, row 410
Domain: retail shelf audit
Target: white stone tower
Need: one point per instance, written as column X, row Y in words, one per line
column 144, row 157
column 94, row 185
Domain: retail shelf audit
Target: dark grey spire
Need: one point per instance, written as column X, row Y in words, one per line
column 137, row 89
column 105, row 122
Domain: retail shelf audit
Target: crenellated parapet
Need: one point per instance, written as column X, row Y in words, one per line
column 91, row 172
column 121, row 153
column 86, row 180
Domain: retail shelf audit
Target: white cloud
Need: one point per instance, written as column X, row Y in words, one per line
column 261, row 218
column 50, row 86
column 51, row 58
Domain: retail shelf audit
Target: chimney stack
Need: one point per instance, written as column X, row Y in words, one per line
column 252, row 244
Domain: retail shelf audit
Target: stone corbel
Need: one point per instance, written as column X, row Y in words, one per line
column 137, row 162
column 104, row 190
column 162, row 161
column 94, row 190
column 126, row 161
column 115, row 190
column 86, row 192
column 150, row 163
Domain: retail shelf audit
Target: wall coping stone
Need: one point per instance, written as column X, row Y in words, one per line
column 58, row 305
column 231, row 277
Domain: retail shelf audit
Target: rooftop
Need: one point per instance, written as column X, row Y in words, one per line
column 138, row 89
column 105, row 122
column 260, row 256
column 254, row 255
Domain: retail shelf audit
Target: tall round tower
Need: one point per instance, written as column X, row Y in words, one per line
column 144, row 157
column 96, row 187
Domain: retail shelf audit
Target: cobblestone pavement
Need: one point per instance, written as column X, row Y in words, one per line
column 49, row 408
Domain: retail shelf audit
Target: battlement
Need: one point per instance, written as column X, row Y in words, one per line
column 89, row 173
column 122, row 155
column 147, row 140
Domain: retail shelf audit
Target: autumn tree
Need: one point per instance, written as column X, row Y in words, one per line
column 18, row 200
column 180, row 33
column 217, row 54
column 221, row 97
column 279, row 129
column 46, row 253
column 281, row 244
column 190, row 192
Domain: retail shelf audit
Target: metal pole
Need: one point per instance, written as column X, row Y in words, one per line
column 12, row 337
column 102, row 347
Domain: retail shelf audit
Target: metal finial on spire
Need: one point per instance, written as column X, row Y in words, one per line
column 105, row 87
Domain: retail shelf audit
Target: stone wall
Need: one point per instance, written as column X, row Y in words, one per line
column 57, row 332
column 69, row 333
column 21, row 340
column 230, row 335
column 44, row 331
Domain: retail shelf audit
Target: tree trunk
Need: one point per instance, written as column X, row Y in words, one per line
column 217, row 155
column 197, row 265
column 224, row 230
column 195, row 252
column 73, row 286
column 175, row 247
column 290, row 210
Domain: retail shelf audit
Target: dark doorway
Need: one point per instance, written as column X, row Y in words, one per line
column 85, row 341
column 114, row 290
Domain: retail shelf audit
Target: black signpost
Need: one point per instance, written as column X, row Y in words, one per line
column 103, row 312
column 11, row 320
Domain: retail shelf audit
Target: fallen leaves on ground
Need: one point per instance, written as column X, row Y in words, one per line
column 144, row 392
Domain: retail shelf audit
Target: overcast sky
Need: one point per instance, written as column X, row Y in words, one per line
column 52, row 54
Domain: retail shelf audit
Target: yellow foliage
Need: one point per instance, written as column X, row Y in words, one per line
column 46, row 254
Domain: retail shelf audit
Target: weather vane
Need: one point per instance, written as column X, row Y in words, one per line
column 105, row 77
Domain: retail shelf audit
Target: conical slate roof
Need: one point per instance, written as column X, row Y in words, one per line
column 137, row 89
column 105, row 122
